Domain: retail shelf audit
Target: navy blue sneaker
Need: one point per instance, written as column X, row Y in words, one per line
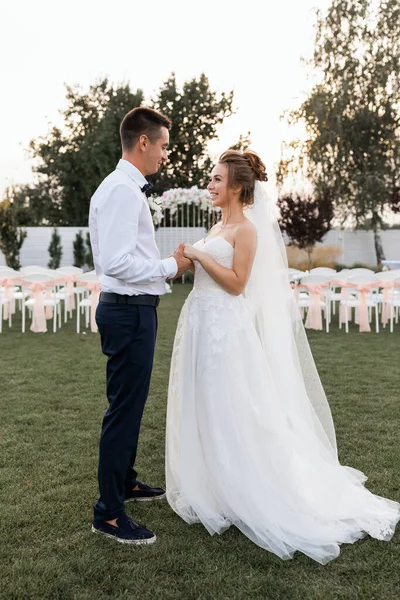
column 145, row 493
column 126, row 532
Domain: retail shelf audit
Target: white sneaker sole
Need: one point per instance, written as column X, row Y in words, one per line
column 144, row 542
column 146, row 499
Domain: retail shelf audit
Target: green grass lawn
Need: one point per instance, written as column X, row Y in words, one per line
column 52, row 401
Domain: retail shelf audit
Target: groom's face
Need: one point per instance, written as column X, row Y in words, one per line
column 157, row 152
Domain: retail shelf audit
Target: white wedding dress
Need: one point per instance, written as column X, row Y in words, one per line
column 236, row 454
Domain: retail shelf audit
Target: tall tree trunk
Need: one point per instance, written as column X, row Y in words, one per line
column 376, row 225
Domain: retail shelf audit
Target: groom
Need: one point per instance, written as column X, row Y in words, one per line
column 132, row 277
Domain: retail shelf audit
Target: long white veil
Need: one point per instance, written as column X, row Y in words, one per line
column 280, row 328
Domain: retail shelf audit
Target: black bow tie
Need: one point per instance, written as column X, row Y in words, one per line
column 147, row 186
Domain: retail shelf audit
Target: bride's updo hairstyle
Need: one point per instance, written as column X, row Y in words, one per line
column 244, row 169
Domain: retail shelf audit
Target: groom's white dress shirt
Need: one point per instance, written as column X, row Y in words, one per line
column 126, row 257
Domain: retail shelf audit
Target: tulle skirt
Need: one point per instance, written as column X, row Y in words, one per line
column 234, row 456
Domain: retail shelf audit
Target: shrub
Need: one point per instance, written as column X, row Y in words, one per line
column 55, row 251
column 79, row 250
column 11, row 236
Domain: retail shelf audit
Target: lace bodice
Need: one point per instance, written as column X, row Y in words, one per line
column 222, row 252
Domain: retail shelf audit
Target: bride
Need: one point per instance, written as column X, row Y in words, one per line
column 250, row 437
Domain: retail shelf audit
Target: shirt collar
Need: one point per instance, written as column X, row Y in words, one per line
column 132, row 171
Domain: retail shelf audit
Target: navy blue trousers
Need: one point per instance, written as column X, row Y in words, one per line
column 128, row 335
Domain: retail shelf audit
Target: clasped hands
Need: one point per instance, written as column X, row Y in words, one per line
column 184, row 255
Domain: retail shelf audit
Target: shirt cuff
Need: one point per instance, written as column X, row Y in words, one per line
column 169, row 267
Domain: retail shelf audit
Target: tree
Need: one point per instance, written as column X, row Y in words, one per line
column 79, row 250
column 305, row 220
column 196, row 112
column 36, row 204
column 55, row 251
column 243, row 142
column 352, row 116
column 73, row 161
column 11, row 236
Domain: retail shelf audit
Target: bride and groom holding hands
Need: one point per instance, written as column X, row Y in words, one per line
column 250, row 439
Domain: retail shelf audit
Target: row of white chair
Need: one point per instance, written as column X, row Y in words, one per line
column 58, row 288
column 296, row 274
column 376, row 291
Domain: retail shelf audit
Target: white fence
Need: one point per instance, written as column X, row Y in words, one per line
column 356, row 246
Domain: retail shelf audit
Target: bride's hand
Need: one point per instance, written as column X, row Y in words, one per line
column 190, row 252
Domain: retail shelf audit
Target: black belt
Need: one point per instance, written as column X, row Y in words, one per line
column 141, row 300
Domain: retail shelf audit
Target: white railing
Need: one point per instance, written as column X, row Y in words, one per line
column 187, row 223
column 189, row 215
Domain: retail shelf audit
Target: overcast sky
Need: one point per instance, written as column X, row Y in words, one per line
column 253, row 46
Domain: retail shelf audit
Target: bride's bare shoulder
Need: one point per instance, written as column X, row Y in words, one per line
column 246, row 229
column 215, row 228
column 245, row 235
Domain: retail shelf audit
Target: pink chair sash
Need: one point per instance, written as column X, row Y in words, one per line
column 344, row 295
column 94, row 288
column 49, row 309
column 8, row 285
column 70, row 280
column 363, row 319
column 386, row 286
column 39, row 317
column 314, row 315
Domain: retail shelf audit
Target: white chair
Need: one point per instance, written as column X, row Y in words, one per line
column 49, row 283
column 361, row 271
column 394, row 303
column 80, row 290
column 314, row 285
column 328, row 272
column 59, row 292
column 33, row 269
column 336, row 296
column 71, row 270
column 6, row 302
column 9, row 274
column 8, row 292
column 87, row 304
column 356, row 284
column 67, row 277
column 18, row 292
column 383, row 298
column 295, row 274
column 323, row 271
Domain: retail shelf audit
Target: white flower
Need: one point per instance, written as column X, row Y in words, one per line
column 175, row 197
column 156, row 209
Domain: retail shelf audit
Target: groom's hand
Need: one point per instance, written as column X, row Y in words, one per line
column 183, row 263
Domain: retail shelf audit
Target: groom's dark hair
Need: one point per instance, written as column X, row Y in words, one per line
column 142, row 121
